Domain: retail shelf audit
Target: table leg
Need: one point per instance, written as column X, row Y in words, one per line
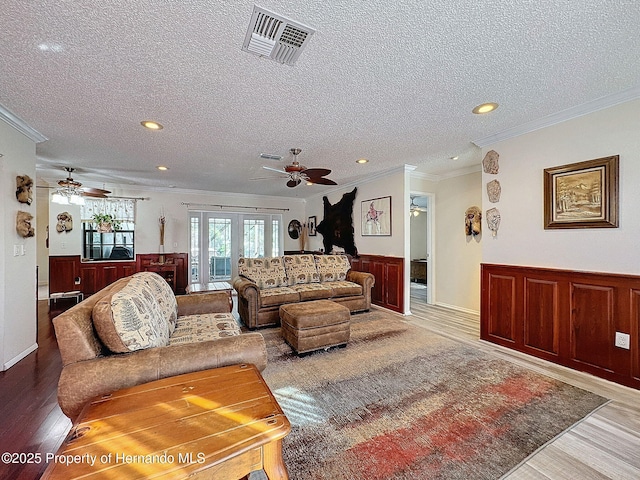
column 272, row 461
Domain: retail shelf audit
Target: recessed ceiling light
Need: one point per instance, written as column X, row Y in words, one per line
column 362, row 160
column 151, row 125
column 162, row 167
column 485, row 108
column 454, row 158
column 309, row 183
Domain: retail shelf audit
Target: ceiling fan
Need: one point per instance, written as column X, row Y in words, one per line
column 297, row 173
column 70, row 191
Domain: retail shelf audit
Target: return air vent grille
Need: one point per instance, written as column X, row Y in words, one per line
column 276, row 37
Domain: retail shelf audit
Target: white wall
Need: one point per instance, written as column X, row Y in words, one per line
column 458, row 256
column 147, row 235
column 17, row 273
column 418, row 236
column 522, row 239
column 390, row 185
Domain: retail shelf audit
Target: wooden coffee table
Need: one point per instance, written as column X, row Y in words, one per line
column 215, row 424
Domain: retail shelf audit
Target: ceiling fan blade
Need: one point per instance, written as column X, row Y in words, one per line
column 293, row 183
column 322, row 181
column 316, row 172
column 94, row 194
column 271, row 169
column 95, row 191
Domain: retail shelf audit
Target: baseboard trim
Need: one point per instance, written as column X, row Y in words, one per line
column 455, row 307
column 19, row 357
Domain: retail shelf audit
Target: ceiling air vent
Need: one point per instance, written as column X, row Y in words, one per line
column 276, row 37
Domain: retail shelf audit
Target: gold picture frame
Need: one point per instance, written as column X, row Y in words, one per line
column 582, row 195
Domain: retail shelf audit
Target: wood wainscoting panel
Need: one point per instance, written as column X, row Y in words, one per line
column 388, row 290
column 564, row 316
column 501, row 308
column 634, row 316
column 592, row 328
column 541, row 315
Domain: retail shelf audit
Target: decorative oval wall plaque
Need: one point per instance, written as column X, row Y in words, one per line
column 490, row 162
column 493, row 191
column 493, row 220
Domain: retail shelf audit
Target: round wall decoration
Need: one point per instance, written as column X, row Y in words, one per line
column 295, row 227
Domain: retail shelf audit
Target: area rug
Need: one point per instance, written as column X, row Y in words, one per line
column 400, row 402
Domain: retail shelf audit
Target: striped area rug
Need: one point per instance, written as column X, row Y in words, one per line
column 400, row 402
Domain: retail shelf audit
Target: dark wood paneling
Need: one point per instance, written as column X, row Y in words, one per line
column 541, row 315
column 63, row 271
column 592, row 326
column 502, row 305
column 634, row 314
column 388, row 290
column 156, row 261
column 565, row 316
column 89, row 274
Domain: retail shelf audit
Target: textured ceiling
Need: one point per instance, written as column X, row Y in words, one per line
column 393, row 82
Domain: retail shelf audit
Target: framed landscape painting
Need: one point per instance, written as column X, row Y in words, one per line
column 582, row 195
column 376, row 216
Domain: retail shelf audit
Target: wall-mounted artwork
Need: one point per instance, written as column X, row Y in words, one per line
column 23, row 224
column 376, row 216
column 311, row 226
column 336, row 227
column 65, row 222
column 23, row 189
column 582, row 195
column 473, row 221
column 493, row 191
column 490, row 162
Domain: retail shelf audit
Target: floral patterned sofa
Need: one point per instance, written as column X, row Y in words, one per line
column 136, row 330
column 263, row 284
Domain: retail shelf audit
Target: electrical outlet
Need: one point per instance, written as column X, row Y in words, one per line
column 622, row 340
column 16, row 250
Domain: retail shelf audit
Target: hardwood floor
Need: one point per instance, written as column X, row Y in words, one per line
column 606, row 445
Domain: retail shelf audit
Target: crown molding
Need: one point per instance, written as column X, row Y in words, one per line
column 568, row 114
column 443, row 176
column 16, row 122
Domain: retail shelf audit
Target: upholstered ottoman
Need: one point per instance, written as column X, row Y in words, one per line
column 309, row 326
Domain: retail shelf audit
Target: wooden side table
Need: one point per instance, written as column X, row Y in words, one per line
column 212, row 287
column 219, row 423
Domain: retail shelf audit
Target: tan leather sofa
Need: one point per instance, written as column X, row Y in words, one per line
column 263, row 284
column 91, row 368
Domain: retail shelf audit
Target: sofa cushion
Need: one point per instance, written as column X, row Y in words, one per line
column 278, row 296
column 312, row 291
column 203, row 327
column 301, row 269
column 332, row 268
column 344, row 288
column 130, row 319
column 265, row 272
column 163, row 294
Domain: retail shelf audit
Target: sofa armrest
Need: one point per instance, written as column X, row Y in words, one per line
column 248, row 301
column 362, row 278
column 81, row 382
column 208, row 302
column 366, row 280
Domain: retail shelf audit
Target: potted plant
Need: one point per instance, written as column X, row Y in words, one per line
column 105, row 222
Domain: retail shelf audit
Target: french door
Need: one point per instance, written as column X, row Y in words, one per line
column 219, row 239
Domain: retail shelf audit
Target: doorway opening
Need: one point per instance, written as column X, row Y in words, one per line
column 420, row 248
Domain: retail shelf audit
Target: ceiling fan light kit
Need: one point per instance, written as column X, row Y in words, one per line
column 70, row 192
column 297, row 173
